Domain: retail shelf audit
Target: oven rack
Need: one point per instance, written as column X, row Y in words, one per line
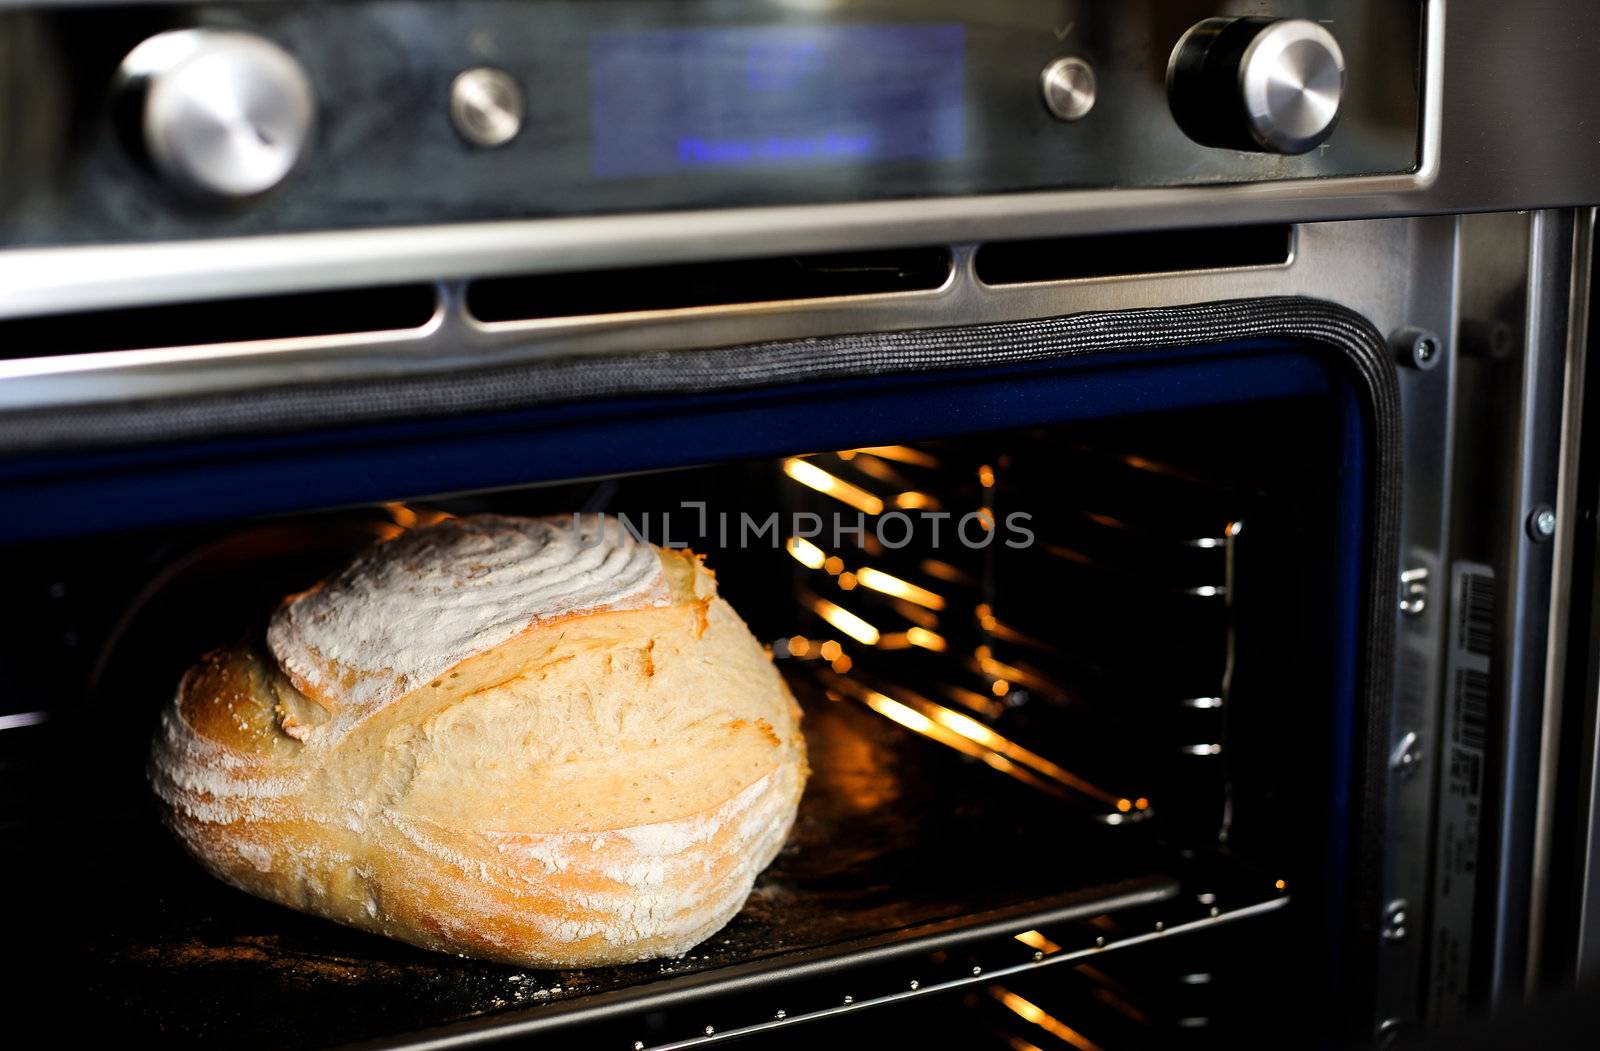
column 1023, row 952
column 901, row 848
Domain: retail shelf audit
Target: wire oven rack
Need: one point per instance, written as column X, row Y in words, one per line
column 980, row 964
column 902, row 849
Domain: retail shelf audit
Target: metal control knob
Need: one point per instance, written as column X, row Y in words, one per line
column 1068, row 86
column 218, row 113
column 1262, row 84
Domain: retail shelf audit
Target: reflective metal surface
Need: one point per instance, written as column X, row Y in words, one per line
column 38, row 281
column 1069, row 88
column 1379, row 269
column 944, row 105
column 1201, row 920
column 1427, row 399
column 1583, row 693
column 222, row 114
column 486, row 106
column 1292, row 78
column 1479, row 152
column 1559, row 523
column 1512, row 368
column 1537, row 451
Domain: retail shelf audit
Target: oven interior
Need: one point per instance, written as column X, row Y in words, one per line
column 1082, row 758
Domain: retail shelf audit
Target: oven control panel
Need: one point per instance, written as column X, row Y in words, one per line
column 153, row 122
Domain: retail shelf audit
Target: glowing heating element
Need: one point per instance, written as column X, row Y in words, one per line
column 1036, row 940
column 1032, row 1012
column 846, row 621
column 900, row 453
column 883, row 582
column 972, row 738
column 813, row 477
column 806, row 553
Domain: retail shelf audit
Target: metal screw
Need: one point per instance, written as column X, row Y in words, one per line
column 1160, row 926
column 711, row 1030
column 977, row 971
column 638, row 1045
column 1417, row 347
column 913, row 983
column 781, row 1014
column 1542, row 523
column 1394, row 920
column 1038, row 956
column 1406, row 755
column 1215, row 912
column 1099, row 943
column 849, row 1000
column 1414, row 591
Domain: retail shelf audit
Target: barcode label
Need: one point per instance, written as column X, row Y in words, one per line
column 1468, row 688
column 1475, row 614
column 1471, row 708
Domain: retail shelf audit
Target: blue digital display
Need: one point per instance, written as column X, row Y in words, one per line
column 684, row 100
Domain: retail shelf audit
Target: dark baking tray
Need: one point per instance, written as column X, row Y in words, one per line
column 900, row 847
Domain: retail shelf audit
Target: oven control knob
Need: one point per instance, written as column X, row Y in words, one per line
column 218, row 113
column 1264, row 84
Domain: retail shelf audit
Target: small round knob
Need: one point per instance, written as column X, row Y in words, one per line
column 1068, row 87
column 1256, row 84
column 218, row 113
column 486, row 106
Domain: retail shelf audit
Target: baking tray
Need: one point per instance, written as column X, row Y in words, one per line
column 901, row 847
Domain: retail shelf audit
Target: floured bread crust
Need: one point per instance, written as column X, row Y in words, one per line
column 593, row 771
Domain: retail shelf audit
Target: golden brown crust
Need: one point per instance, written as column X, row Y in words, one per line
column 600, row 788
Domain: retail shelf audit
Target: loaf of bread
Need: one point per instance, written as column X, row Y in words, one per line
column 534, row 740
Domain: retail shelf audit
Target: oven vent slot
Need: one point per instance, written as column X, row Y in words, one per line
column 1127, row 255
column 529, row 297
column 246, row 319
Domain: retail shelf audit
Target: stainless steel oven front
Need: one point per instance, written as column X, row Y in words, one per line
column 1164, row 508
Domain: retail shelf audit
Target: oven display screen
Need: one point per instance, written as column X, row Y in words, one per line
column 675, row 101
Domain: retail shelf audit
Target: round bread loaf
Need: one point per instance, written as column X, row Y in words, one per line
column 535, row 740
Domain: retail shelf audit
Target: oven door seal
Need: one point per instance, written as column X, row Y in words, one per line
column 294, row 407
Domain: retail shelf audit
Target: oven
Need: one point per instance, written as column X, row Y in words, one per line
column 1176, row 532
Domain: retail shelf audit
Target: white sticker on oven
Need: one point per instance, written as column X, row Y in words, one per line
column 1465, row 740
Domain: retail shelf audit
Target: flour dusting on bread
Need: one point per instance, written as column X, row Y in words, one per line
column 408, row 611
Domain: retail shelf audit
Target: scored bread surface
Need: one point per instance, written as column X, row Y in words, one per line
column 532, row 740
